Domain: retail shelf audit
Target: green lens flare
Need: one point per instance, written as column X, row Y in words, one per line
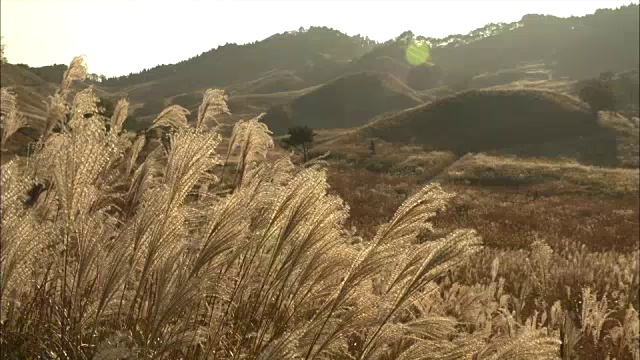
column 417, row 53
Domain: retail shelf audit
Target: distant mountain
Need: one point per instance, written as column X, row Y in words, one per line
column 14, row 75
column 313, row 55
column 345, row 102
column 578, row 47
column 34, row 85
column 291, row 65
column 31, row 90
column 49, row 73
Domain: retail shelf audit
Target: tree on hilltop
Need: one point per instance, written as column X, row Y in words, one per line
column 598, row 93
column 302, row 137
column 3, row 59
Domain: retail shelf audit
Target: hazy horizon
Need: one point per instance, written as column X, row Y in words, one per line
column 123, row 36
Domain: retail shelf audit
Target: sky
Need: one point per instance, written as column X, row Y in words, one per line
column 118, row 37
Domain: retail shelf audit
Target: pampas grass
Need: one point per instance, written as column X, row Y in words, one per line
column 146, row 254
column 12, row 119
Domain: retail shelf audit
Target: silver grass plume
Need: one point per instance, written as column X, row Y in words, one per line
column 12, row 119
column 77, row 70
column 630, row 333
column 594, row 313
column 527, row 344
column 136, row 148
column 84, row 103
column 174, row 116
column 20, row 235
column 241, row 137
column 214, row 103
column 57, row 110
column 405, row 225
column 426, row 266
column 119, row 116
column 460, row 348
column 253, row 138
column 84, row 153
column 192, row 154
column 57, row 106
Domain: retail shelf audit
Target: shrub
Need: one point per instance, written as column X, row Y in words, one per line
column 598, row 94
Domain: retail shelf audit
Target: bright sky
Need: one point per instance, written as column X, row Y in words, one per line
column 121, row 36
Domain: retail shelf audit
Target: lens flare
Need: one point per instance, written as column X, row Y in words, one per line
column 417, row 53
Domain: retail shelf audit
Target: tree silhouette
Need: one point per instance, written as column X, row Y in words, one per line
column 3, row 59
column 625, row 86
column 301, row 136
column 598, row 94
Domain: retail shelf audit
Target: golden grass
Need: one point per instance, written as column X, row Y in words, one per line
column 564, row 176
column 110, row 252
column 527, row 122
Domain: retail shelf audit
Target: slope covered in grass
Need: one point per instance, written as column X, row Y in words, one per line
column 484, row 57
column 345, row 102
column 270, row 82
column 12, row 75
column 485, row 120
column 30, row 88
column 562, row 176
column 313, row 54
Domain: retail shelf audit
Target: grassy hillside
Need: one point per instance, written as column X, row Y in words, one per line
column 383, row 63
column 344, row 102
column 313, row 54
column 488, row 56
column 578, row 46
column 152, row 246
column 284, row 74
column 573, row 177
column 12, row 75
column 484, row 120
column 270, row 82
column 30, row 88
column 256, row 103
column 529, row 72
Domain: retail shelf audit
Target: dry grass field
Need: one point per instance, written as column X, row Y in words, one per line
column 199, row 240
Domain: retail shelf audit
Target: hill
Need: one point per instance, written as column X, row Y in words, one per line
column 577, row 47
column 347, row 101
column 314, row 55
column 270, row 82
column 30, row 88
column 542, row 52
column 527, row 122
column 297, row 59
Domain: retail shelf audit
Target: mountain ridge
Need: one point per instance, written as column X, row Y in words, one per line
column 297, row 60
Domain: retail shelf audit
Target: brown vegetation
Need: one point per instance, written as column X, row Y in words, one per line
column 526, row 122
column 157, row 254
column 346, row 102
